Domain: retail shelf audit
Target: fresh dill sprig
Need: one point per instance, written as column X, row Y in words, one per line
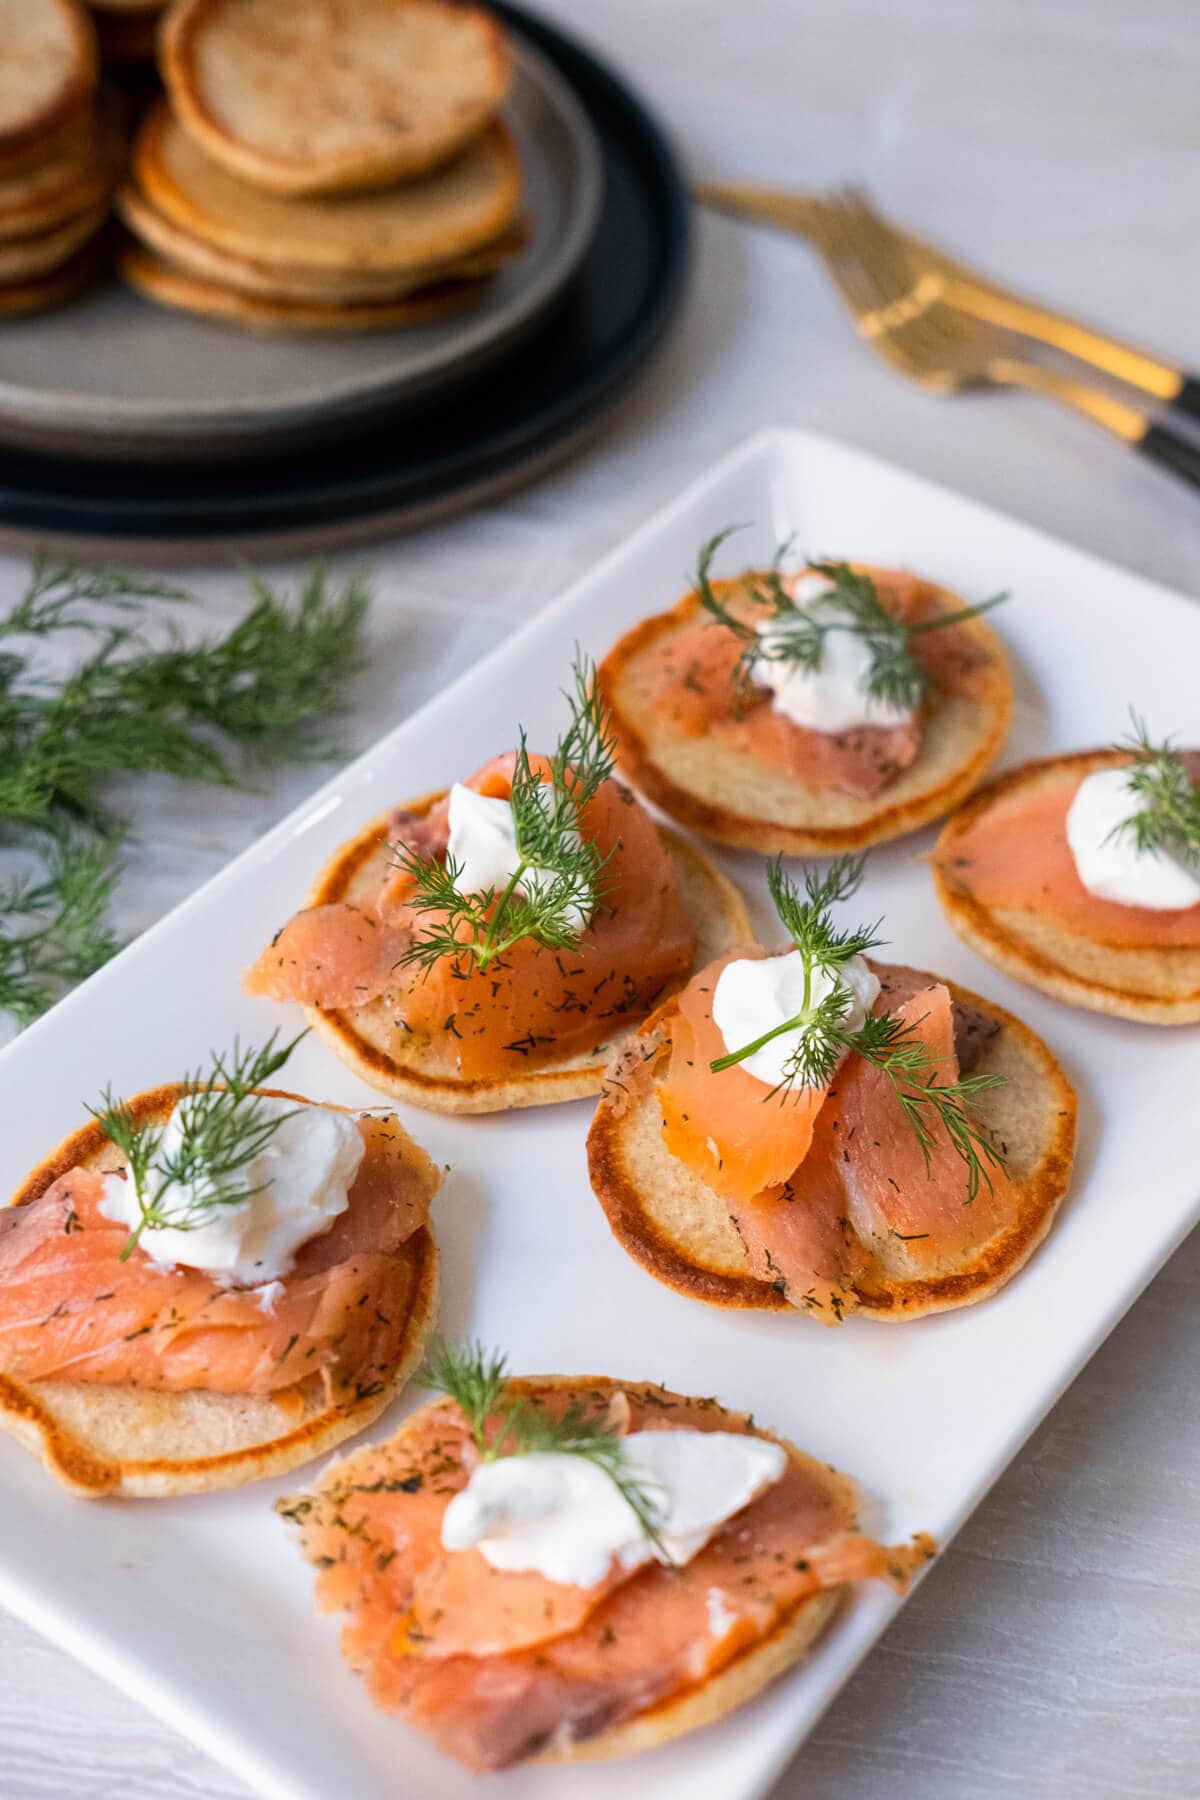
column 223, row 1124
column 264, row 682
column 556, row 885
column 473, row 1377
column 798, row 634
column 52, row 924
column 808, row 921
column 890, row 1044
column 1168, row 814
column 766, row 590
column 129, row 706
column 894, row 1047
column 477, row 1380
column 55, row 591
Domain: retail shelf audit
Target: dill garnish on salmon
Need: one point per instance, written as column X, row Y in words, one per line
column 834, row 1133
column 214, row 1237
column 529, row 1565
column 519, row 922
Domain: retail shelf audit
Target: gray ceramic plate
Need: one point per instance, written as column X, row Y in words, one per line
column 113, row 375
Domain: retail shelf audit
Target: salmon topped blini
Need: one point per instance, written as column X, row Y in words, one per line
column 812, row 710
column 489, row 946
column 1080, row 875
column 566, row 1567
column 813, row 1128
column 211, row 1282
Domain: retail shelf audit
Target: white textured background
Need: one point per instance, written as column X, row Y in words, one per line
column 1055, row 1651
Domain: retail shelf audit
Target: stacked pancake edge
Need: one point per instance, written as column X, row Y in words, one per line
column 60, row 154
column 329, row 168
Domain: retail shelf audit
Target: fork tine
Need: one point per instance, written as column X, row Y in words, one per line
column 882, row 241
column 857, row 277
column 873, row 283
column 847, row 272
column 929, row 335
column 859, row 199
column 857, row 272
column 867, row 260
column 935, row 328
column 879, row 250
column 888, row 312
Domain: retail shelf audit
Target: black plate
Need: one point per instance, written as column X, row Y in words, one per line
column 490, row 436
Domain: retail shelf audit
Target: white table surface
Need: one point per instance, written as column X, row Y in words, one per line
column 1055, row 1650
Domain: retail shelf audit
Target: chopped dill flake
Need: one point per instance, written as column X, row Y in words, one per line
column 798, row 633
column 558, row 880
column 890, row 1044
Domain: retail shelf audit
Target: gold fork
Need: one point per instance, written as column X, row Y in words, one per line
column 946, row 279
column 900, row 312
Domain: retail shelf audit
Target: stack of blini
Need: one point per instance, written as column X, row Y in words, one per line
column 324, row 165
column 60, row 153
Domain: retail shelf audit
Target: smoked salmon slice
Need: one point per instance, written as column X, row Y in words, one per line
column 461, row 1606
column 894, row 1189
column 816, row 1180
column 1013, row 853
column 372, row 1529
column 532, row 1006
column 796, row 1234
column 728, row 1128
column 336, row 955
column 70, row 1310
column 695, row 690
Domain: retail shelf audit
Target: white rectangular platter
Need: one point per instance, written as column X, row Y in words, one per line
column 201, row 1608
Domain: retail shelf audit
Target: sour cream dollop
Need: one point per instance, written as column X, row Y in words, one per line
column 833, row 697
column 1108, row 861
column 562, row 1516
column 483, row 845
column 754, row 996
column 296, row 1186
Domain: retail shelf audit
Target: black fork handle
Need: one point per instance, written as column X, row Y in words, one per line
column 1171, row 451
column 1187, row 400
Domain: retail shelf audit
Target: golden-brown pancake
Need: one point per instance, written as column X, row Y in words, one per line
column 35, row 200
column 69, row 139
column 45, row 291
column 347, row 1508
column 459, row 208
column 321, row 96
column 99, row 1439
column 47, row 67
column 728, row 793
column 169, row 286
column 23, row 259
column 290, row 282
column 1154, row 983
column 669, row 1220
column 366, row 1037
